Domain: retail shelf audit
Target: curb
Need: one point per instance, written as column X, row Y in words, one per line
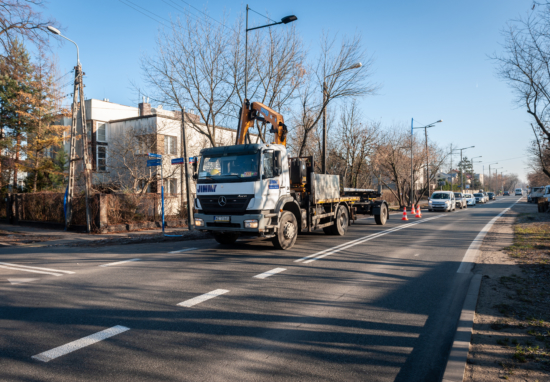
column 456, row 364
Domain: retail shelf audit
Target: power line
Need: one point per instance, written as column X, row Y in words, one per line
column 152, row 18
column 207, row 15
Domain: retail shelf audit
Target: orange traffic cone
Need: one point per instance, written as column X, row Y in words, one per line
column 404, row 214
column 418, row 213
column 413, row 212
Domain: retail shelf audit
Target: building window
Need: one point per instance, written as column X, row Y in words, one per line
column 170, row 145
column 101, row 158
column 89, row 130
column 171, row 186
column 101, row 132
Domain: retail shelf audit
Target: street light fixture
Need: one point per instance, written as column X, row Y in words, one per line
column 57, row 32
column 324, row 159
column 427, row 155
column 284, row 20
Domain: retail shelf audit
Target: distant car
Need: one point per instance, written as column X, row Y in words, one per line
column 442, row 201
column 506, row 193
column 470, row 199
column 491, row 196
column 480, row 198
column 535, row 194
column 519, row 192
column 460, row 200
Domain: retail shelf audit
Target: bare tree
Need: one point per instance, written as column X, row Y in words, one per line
column 357, row 140
column 22, row 19
column 333, row 67
column 525, row 66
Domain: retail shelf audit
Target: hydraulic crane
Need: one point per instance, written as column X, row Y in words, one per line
column 258, row 111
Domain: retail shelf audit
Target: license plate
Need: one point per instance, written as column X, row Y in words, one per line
column 222, row 219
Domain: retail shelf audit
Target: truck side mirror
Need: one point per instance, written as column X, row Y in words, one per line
column 277, row 163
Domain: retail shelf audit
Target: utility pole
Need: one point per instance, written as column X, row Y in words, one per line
column 186, row 164
column 452, row 177
column 324, row 167
column 78, row 105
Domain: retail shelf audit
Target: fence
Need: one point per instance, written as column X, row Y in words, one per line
column 107, row 210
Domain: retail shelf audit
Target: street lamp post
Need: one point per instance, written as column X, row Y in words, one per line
column 284, row 20
column 491, row 175
column 427, row 155
column 325, row 104
column 77, row 94
column 462, row 167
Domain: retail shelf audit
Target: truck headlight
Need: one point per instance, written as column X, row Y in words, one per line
column 430, row 202
column 199, row 222
column 250, row 224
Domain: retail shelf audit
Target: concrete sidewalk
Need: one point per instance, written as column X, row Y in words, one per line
column 42, row 237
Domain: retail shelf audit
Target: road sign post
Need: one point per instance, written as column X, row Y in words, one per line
column 154, row 163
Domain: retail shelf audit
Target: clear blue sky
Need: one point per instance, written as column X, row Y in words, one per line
column 431, row 58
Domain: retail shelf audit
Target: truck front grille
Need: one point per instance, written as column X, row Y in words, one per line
column 224, row 204
column 227, row 225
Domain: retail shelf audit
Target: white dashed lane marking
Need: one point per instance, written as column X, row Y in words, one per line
column 270, row 273
column 202, row 298
column 79, row 344
column 119, row 262
column 183, row 250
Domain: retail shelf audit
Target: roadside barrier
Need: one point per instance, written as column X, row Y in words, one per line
column 405, row 214
column 418, row 213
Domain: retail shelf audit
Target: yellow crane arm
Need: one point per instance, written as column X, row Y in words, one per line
column 259, row 111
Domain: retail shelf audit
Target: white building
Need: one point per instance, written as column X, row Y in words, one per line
column 120, row 138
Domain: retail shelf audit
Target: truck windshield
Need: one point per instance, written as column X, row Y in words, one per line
column 233, row 168
column 440, row 196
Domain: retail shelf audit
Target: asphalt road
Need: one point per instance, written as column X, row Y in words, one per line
column 380, row 304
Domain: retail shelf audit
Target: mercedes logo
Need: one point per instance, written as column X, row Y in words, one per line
column 222, row 201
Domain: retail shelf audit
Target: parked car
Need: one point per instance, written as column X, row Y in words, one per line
column 519, row 192
column 506, row 193
column 470, row 199
column 486, row 196
column 460, row 200
column 480, row 198
column 491, row 196
column 442, row 201
column 535, row 194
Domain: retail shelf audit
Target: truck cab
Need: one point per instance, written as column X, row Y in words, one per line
column 239, row 187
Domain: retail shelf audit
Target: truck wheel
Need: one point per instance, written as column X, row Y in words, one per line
column 341, row 222
column 226, row 238
column 288, row 231
column 381, row 219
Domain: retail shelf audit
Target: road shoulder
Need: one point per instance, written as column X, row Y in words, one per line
column 504, row 343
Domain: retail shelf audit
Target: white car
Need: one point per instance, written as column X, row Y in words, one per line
column 470, row 199
column 519, row 192
column 442, row 201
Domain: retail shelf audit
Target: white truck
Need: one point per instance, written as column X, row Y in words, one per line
column 258, row 190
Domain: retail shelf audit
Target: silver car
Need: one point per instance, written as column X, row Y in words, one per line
column 480, row 198
column 442, row 201
column 460, row 200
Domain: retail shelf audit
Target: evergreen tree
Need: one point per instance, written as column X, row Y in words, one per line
column 15, row 86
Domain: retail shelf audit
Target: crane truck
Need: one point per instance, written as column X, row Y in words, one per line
column 257, row 189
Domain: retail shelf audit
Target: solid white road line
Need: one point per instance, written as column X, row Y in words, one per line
column 270, row 273
column 31, row 270
column 183, row 250
column 43, row 269
column 473, row 251
column 119, row 262
column 202, row 298
column 79, row 344
column 341, row 247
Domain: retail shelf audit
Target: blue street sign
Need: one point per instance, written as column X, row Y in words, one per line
column 192, row 159
column 177, row 161
column 151, row 155
column 153, row 162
